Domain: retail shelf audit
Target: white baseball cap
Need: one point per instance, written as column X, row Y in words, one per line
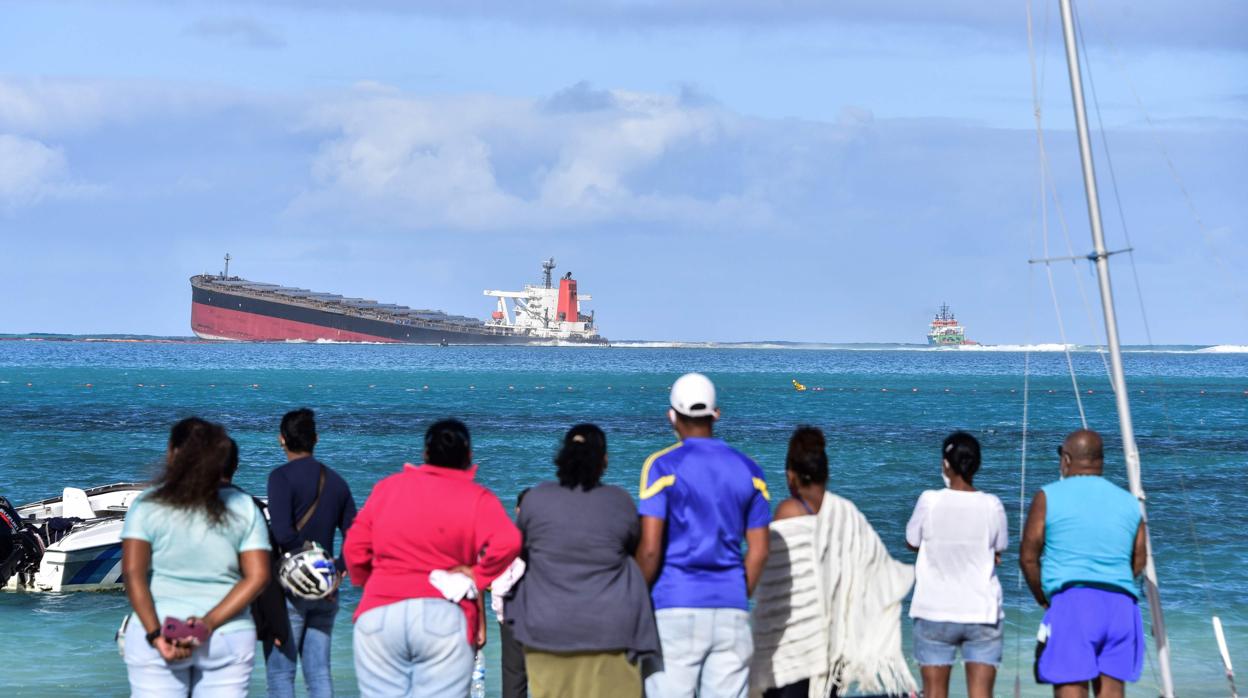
column 693, row 395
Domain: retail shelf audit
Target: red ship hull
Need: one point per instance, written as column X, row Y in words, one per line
column 235, row 309
column 222, row 323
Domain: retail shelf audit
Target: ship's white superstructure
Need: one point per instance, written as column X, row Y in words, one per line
column 545, row 311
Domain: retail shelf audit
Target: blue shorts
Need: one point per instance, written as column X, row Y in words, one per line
column 1091, row 632
column 936, row 643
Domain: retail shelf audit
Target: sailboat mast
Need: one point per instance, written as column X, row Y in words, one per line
column 1101, row 257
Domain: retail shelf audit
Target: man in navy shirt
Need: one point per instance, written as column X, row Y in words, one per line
column 294, row 489
column 699, row 500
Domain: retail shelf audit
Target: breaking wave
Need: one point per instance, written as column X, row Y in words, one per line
column 1224, row 349
column 1019, row 347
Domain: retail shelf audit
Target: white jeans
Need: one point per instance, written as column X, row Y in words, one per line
column 706, row 652
column 219, row 669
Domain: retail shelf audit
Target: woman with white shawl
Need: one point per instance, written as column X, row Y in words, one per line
column 827, row 613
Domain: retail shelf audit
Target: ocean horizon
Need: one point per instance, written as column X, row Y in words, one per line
column 674, row 344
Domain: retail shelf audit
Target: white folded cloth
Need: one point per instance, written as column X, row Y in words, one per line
column 502, row 586
column 828, row 606
column 455, row 586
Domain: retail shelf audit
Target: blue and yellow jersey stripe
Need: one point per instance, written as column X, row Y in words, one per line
column 649, row 489
column 761, row 485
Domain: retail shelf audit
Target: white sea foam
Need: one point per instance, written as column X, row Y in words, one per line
column 1019, row 347
column 850, row 347
column 1002, row 348
column 1224, row 349
column 665, row 345
column 322, row 340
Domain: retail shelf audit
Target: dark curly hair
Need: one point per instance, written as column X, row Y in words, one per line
column 199, row 454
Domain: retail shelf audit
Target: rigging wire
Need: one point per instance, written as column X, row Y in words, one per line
column 1085, row 68
column 1026, row 362
column 1022, row 479
column 1036, row 83
column 1046, row 182
column 1171, row 168
column 1046, row 173
column 1113, row 178
column 1164, row 392
column 1045, row 187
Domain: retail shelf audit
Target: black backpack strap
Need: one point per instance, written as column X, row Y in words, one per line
column 307, row 515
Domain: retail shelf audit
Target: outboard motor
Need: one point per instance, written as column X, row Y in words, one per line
column 21, row 546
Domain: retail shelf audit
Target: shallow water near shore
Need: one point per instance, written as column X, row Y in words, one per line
column 84, row 414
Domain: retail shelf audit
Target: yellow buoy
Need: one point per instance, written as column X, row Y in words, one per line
column 798, row 386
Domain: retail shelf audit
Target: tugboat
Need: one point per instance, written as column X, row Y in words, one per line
column 945, row 330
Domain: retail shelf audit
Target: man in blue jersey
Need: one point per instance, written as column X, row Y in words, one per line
column 700, row 499
column 1083, row 546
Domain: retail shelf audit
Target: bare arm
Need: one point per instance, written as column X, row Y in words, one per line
column 1031, row 548
column 1139, row 555
column 255, row 568
column 649, row 553
column 481, row 632
column 136, row 562
column 757, row 546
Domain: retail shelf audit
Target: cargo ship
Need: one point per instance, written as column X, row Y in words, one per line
column 945, row 330
column 231, row 308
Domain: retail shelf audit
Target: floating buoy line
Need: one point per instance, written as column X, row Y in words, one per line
column 795, row 386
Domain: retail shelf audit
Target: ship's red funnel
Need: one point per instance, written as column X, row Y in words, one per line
column 569, row 309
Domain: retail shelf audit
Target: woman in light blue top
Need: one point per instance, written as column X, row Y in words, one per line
column 197, row 551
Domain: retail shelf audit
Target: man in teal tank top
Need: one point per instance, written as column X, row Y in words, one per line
column 1083, row 547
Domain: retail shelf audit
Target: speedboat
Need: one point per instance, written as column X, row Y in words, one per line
column 81, row 536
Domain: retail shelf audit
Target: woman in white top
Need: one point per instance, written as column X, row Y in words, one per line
column 959, row 533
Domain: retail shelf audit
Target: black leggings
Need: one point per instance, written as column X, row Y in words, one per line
column 801, row 689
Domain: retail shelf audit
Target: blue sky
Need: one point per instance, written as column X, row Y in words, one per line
column 709, row 170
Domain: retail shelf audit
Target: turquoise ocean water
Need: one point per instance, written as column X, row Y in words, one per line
column 884, row 412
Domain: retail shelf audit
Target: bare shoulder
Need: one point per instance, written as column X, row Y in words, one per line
column 788, row 509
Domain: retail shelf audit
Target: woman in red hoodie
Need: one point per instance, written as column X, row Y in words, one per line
column 409, row 640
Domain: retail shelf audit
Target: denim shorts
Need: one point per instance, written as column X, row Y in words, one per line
column 936, row 643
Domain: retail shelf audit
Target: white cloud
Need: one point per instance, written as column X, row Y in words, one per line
column 43, row 107
column 29, row 171
column 46, row 106
column 493, row 163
